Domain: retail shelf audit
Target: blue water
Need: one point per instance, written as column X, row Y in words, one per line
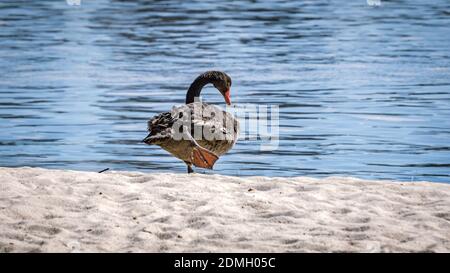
column 363, row 90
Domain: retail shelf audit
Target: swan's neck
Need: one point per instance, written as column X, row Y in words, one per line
column 196, row 88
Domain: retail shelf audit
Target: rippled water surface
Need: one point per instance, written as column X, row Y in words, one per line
column 363, row 91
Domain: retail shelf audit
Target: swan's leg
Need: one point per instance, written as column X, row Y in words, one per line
column 189, row 167
column 200, row 157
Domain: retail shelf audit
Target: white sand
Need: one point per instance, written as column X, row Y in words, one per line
column 69, row 211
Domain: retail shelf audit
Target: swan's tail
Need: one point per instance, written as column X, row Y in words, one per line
column 151, row 139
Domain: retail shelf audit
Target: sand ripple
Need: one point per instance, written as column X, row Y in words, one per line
column 67, row 211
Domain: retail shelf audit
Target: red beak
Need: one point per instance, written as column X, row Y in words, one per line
column 226, row 96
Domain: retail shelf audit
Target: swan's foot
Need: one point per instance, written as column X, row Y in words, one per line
column 203, row 158
column 200, row 157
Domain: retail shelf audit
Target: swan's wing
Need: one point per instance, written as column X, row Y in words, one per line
column 200, row 116
column 160, row 122
column 159, row 127
column 216, row 121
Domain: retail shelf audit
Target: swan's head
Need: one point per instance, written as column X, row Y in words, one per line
column 221, row 81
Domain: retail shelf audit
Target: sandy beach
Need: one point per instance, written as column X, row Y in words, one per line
column 70, row 211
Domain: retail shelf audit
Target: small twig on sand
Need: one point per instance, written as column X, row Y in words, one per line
column 103, row 170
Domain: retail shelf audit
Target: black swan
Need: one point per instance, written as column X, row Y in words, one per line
column 197, row 133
